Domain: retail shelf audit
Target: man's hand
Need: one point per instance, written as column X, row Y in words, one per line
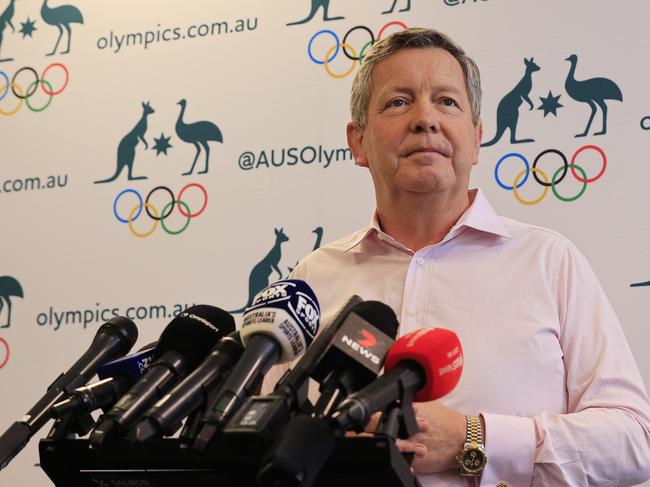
column 442, row 433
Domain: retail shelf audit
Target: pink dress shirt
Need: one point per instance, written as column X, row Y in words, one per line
column 546, row 361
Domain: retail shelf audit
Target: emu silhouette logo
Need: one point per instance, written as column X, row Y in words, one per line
column 198, row 134
column 9, row 288
column 61, row 17
column 259, row 277
column 594, row 92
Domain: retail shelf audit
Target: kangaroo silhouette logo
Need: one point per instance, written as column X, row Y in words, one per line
column 260, row 276
column 593, row 92
column 392, row 8
column 9, row 288
column 197, row 134
column 319, row 238
column 508, row 109
column 126, row 149
column 315, row 5
column 5, row 20
column 61, row 17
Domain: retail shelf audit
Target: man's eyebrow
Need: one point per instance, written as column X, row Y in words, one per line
column 409, row 90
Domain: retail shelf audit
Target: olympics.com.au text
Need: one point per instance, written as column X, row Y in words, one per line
column 97, row 315
column 115, row 41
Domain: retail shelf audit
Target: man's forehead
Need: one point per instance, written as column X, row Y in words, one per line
column 415, row 64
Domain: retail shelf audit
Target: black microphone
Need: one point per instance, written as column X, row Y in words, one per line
column 182, row 346
column 353, row 360
column 280, row 324
column 356, row 355
column 115, row 378
column 113, row 339
column 164, row 417
column 336, row 359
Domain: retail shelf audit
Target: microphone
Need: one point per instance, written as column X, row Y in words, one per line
column 164, row 417
column 115, row 378
column 280, row 324
column 183, row 344
column 113, row 339
column 357, row 354
column 262, row 417
column 426, row 364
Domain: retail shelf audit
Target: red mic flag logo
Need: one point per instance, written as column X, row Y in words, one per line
column 369, row 340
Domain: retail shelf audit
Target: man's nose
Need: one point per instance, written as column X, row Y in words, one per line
column 425, row 118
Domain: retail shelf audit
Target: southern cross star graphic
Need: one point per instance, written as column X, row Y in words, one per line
column 27, row 27
column 161, row 144
column 550, row 104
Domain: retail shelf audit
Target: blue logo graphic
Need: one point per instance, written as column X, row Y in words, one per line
column 5, row 20
column 61, row 17
column 315, row 5
column 126, row 149
column 9, row 288
column 197, row 134
column 640, row 284
column 508, row 109
column 593, row 92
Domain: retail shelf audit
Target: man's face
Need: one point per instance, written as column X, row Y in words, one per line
column 419, row 136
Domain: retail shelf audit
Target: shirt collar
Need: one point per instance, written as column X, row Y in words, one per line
column 480, row 216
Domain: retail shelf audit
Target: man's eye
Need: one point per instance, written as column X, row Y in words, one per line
column 398, row 102
column 448, row 102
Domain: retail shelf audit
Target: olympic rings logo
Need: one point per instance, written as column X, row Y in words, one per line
column 557, row 177
column 154, row 214
column 5, row 345
column 645, row 123
column 343, row 46
column 23, row 96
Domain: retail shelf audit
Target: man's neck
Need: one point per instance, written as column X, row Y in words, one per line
column 417, row 221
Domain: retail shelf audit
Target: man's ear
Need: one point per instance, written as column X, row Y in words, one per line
column 355, row 142
column 478, row 139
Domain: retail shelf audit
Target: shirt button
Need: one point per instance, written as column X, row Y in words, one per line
column 419, row 260
column 413, row 312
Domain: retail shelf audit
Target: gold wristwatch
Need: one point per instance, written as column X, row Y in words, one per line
column 472, row 458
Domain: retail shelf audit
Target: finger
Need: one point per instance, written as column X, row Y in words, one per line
column 423, row 424
column 406, row 446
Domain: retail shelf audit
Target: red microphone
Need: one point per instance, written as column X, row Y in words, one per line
column 427, row 362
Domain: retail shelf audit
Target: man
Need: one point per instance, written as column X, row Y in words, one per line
column 549, row 391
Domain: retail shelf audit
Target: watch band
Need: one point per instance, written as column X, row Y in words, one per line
column 474, row 434
column 472, row 459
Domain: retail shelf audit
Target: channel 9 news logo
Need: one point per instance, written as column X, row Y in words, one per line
column 326, row 47
column 27, row 88
column 159, row 207
column 549, row 179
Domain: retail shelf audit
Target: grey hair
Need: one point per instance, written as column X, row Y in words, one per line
column 413, row 38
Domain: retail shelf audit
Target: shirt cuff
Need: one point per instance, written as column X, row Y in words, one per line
column 510, row 450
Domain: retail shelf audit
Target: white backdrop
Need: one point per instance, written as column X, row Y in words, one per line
column 274, row 126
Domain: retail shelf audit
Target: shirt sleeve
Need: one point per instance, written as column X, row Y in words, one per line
column 604, row 438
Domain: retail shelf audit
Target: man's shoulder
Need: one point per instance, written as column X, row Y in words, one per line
column 536, row 235
column 332, row 251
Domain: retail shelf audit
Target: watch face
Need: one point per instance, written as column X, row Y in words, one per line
column 473, row 460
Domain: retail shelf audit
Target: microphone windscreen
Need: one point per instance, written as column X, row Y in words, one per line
column 194, row 332
column 380, row 315
column 438, row 351
column 288, row 312
column 123, row 328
